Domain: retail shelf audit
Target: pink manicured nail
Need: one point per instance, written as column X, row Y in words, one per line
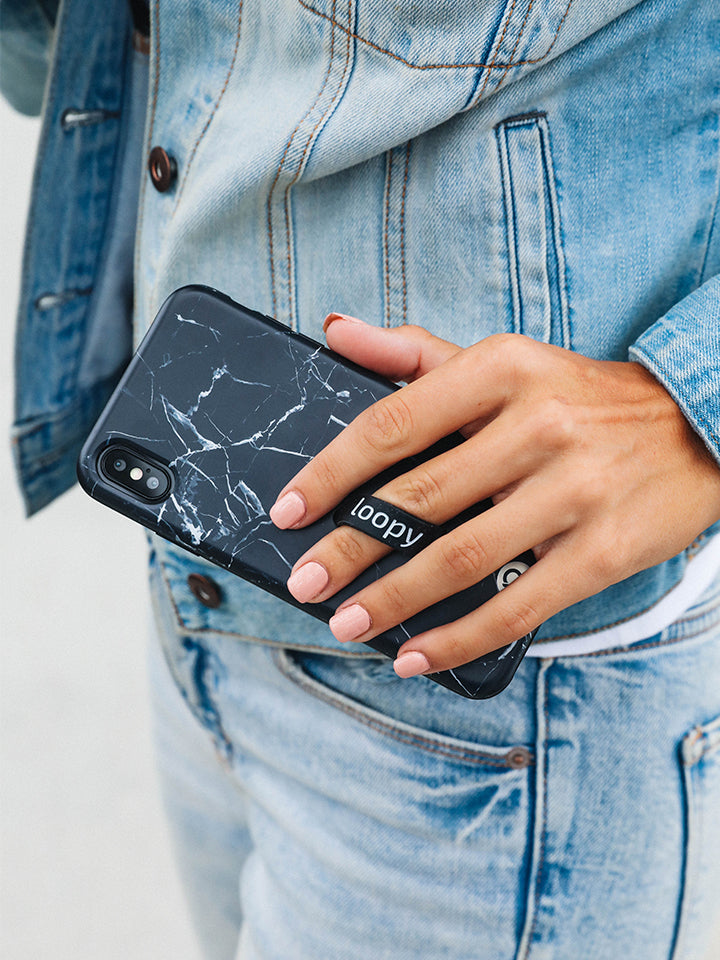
column 350, row 622
column 411, row 664
column 338, row 316
column 307, row 581
column 287, row 510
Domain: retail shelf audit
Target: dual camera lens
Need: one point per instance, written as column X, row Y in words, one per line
column 144, row 478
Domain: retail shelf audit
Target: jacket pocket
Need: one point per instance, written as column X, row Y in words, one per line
column 534, row 237
column 698, row 936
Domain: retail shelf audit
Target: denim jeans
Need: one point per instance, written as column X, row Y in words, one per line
column 323, row 809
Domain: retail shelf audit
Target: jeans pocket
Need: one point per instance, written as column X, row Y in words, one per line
column 698, row 936
column 372, row 694
column 460, row 808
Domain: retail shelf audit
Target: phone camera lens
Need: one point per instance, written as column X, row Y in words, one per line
column 135, row 473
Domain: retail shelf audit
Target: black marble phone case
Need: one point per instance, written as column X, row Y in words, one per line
column 233, row 403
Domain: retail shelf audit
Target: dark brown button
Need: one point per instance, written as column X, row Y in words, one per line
column 205, row 589
column 518, row 757
column 163, row 169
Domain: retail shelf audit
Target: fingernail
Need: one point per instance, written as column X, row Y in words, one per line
column 411, row 664
column 350, row 622
column 287, row 510
column 338, row 316
column 307, row 581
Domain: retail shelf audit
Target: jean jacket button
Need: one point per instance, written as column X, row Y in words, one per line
column 163, row 169
column 205, row 590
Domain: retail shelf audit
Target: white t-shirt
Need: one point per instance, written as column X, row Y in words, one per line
column 699, row 574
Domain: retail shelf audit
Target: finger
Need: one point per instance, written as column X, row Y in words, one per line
column 454, row 562
column 551, row 585
column 404, row 423
column 332, row 563
column 436, row 491
column 399, row 353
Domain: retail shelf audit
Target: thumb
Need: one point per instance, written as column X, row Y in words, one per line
column 398, row 353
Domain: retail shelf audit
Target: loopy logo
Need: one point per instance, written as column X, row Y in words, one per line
column 510, row 572
column 379, row 520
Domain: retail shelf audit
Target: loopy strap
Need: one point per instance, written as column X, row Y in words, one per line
column 387, row 523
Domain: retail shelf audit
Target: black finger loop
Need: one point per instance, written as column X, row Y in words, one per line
column 387, row 523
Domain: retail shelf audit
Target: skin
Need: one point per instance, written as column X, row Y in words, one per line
column 589, row 463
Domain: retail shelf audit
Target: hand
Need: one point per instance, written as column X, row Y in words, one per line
column 589, row 463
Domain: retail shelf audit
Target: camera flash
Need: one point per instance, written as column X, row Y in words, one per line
column 136, row 473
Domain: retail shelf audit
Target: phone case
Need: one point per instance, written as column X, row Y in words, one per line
column 231, row 404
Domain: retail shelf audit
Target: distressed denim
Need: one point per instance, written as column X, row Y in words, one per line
column 547, row 167
column 323, row 809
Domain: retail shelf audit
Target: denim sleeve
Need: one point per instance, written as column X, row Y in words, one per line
column 26, row 31
column 683, row 351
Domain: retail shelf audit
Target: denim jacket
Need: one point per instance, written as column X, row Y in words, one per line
column 549, row 167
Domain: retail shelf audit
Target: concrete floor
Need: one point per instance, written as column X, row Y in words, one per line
column 86, row 867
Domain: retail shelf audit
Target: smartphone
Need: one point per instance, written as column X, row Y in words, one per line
column 218, row 409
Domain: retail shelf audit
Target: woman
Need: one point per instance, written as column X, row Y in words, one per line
column 546, row 172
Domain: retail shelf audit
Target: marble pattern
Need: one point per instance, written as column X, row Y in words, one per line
column 233, row 404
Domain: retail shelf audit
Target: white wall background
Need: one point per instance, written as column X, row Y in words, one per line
column 85, row 864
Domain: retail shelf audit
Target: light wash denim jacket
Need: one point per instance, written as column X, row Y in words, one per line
column 544, row 166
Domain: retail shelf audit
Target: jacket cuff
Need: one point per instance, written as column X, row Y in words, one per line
column 682, row 350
